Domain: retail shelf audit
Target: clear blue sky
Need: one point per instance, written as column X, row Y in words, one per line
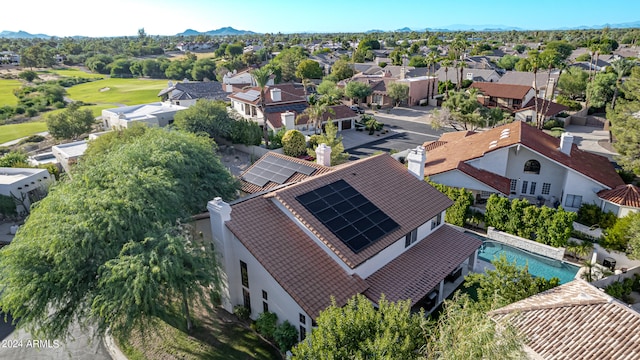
column 169, row 17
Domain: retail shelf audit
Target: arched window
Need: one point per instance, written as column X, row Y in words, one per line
column 532, row 167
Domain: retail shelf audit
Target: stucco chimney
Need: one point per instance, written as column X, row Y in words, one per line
column 416, row 159
column 323, row 155
column 288, row 120
column 276, row 94
column 566, row 140
column 219, row 213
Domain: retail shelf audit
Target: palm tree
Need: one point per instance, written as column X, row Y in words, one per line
column 534, row 60
column 433, row 59
column 261, row 77
column 315, row 112
column 446, row 63
column 621, row 67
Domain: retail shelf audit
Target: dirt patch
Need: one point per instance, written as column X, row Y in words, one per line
column 105, row 89
column 607, row 145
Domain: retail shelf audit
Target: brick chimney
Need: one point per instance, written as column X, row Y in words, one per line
column 323, row 155
column 276, row 94
column 416, row 159
column 288, row 120
column 566, row 140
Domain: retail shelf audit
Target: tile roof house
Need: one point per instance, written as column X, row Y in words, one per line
column 574, row 321
column 188, row 92
column 284, row 105
column 543, row 80
column 621, row 200
column 518, row 160
column 338, row 232
column 477, row 75
column 505, row 96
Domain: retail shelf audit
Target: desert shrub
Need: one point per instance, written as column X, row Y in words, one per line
column 32, row 139
column 285, row 335
column 266, row 324
column 241, row 312
column 293, row 143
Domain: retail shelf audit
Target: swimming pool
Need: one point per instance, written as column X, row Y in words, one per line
column 538, row 265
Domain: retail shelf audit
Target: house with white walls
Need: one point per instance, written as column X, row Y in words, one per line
column 24, row 185
column 158, row 114
column 520, row 161
column 353, row 229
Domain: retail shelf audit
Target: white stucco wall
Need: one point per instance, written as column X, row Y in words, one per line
column 577, row 184
column 19, row 182
column 550, row 172
column 495, row 161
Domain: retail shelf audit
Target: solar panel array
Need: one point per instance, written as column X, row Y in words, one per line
column 299, row 108
column 275, row 169
column 349, row 215
column 251, row 95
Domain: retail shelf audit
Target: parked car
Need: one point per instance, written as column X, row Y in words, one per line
column 357, row 109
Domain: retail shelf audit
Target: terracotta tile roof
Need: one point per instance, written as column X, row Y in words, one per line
column 430, row 145
column 495, row 181
column 575, row 321
column 445, row 138
column 250, row 188
column 288, row 93
column 296, row 262
column 624, row 195
column 407, row 200
column 340, row 112
column 554, row 108
column 418, row 270
column 448, row 156
column 504, row 91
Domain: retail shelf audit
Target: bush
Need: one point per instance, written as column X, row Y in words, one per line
column 32, row 139
column 314, row 141
column 241, row 312
column 245, row 132
column 7, row 206
column 572, row 104
column 621, row 290
column 591, row 214
column 266, row 324
column 293, row 143
column 627, row 176
column 275, row 140
column 617, row 236
column 285, row 336
column 553, row 123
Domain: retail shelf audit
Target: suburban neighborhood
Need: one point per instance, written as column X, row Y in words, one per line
column 241, row 195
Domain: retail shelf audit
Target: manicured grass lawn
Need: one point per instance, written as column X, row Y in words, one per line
column 118, row 91
column 6, row 92
column 17, row 131
column 71, row 72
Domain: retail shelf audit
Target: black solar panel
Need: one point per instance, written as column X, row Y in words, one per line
column 275, row 169
column 299, row 108
column 351, row 217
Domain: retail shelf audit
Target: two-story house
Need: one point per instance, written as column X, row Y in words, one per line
column 504, row 96
column 518, row 160
column 366, row 227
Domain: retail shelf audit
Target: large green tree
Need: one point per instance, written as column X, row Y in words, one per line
column 625, row 124
column 288, row 60
column 342, row 69
column 573, row 83
column 208, row 116
column 70, row 123
column 105, row 247
column 330, row 138
column 357, row 90
column 204, row 69
column 308, row 69
column 399, row 92
column 601, row 89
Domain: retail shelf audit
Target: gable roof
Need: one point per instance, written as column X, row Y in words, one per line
column 195, row 90
column 447, row 156
column 407, row 277
column 623, row 195
column 526, row 78
column 405, row 199
column 575, row 321
column 504, row 91
column 289, row 93
column 301, row 267
column 482, row 75
column 340, row 112
column 250, row 188
column 554, row 107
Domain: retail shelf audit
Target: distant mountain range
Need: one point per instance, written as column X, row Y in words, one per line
column 21, row 35
column 229, row 31
column 225, row 31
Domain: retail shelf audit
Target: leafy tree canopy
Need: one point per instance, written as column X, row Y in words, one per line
column 308, row 69
column 330, row 138
column 70, row 123
column 93, row 246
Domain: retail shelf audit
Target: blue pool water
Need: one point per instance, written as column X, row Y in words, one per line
column 538, row 265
